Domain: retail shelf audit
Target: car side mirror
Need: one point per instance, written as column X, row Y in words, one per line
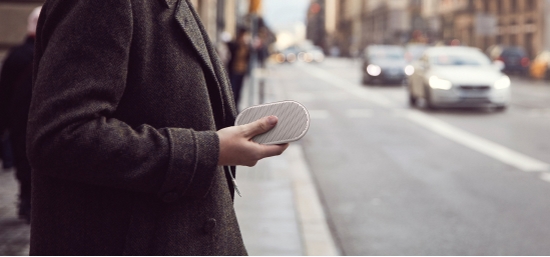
column 499, row 64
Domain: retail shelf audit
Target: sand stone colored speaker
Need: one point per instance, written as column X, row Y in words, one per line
column 292, row 125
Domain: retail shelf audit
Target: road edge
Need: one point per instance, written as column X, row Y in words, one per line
column 317, row 239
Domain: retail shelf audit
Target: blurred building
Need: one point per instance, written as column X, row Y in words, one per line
column 351, row 25
column 217, row 16
column 315, row 24
column 336, row 24
column 482, row 23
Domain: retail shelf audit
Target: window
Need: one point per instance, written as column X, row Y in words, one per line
column 529, row 44
column 514, row 6
column 530, row 5
column 513, row 40
column 500, row 7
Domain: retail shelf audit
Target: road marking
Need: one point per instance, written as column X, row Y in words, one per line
column 359, row 113
column 477, row 143
column 316, row 235
column 318, row 114
column 539, row 113
column 303, row 97
column 350, row 87
column 331, row 96
column 545, row 177
column 482, row 145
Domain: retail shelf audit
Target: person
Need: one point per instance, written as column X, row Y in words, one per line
column 15, row 98
column 130, row 133
column 237, row 66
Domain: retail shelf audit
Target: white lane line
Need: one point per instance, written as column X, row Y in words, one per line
column 364, row 93
column 359, row 113
column 545, row 177
column 539, row 113
column 316, row 236
column 303, row 97
column 477, row 143
column 331, row 96
column 482, row 145
column 319, row 114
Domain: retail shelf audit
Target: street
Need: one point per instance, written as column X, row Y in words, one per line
column 396, row 180
column 392, row 179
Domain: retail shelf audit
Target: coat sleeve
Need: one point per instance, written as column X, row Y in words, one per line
column 81, row 65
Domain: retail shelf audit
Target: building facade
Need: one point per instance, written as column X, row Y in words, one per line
column 482, row 23
column 217, row 16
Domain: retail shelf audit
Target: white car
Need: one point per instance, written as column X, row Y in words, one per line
column 456, row 76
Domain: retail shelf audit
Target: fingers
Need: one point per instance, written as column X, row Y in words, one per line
column 273, row 150
column 260, row 126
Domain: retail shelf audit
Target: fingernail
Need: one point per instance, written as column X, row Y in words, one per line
column 271, row 120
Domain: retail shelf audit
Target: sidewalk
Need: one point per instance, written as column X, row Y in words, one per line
column 14, row 233
column 280, row 212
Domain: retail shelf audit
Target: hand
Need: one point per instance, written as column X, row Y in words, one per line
column 237, row 148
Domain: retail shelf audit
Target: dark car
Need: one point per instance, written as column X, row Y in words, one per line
column 515, row 58
column 384, row 64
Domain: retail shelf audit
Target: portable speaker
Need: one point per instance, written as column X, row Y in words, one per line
column 292, row 125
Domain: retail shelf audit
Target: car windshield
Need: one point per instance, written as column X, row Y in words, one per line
column 513, row 51
column 415, row 52
column 387, row 55
column 460, row 59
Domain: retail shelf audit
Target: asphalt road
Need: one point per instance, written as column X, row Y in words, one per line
column 397, row 180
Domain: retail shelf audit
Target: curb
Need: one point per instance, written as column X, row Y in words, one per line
column 316, row 236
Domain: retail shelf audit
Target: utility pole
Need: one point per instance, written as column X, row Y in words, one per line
column 253, row 12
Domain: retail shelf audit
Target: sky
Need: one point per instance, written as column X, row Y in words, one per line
column 283, row 14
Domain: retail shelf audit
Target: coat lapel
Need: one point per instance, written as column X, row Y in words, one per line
column 191, row 28
column 170, row 3
column 187, row 19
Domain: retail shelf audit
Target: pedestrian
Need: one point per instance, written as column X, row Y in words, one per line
column 15, row 98
column 130, row 133
column 237, row 66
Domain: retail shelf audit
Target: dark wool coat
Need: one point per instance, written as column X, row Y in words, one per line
column 127, row 98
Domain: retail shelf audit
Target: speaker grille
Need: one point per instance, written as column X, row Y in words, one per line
column 292, row 125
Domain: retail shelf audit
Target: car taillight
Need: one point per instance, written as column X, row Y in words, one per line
column 525, row 61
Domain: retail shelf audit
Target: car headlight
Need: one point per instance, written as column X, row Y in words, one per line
column 291, row 57
column 409, row 70
column 374, row 70
column 437, row 83
column 503, row 82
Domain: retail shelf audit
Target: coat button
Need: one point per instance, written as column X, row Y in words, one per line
column 170, row 197
column 209, row 225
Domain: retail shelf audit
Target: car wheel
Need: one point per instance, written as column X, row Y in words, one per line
column 365, row 81
column 501, row 108
column 412, row 98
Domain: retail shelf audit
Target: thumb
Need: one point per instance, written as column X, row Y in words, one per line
column 260, row 126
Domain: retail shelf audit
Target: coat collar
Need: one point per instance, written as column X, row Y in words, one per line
column 185, row 17
column 188, row 20
column 170, row 3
